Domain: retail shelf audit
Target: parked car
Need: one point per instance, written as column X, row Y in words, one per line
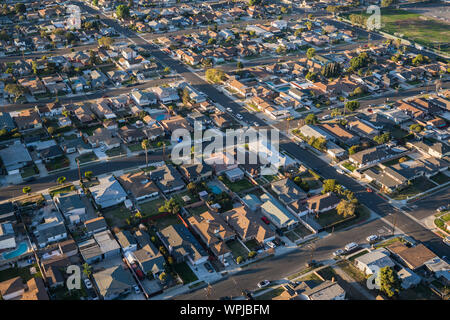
column 441, row 208
column 338, row 252
column 351, row 246
column 270, row 244
column 88, row 283
column 229, row 110
column 256, row 124
column 372, row 238
column 447, row 240
column 136, row 289
column 266, row 221
column 368, row 189
column 263, row 283
column 239, row 116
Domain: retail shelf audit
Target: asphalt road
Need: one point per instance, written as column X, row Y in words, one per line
column 426, row 207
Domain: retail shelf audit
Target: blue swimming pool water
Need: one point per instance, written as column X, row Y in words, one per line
column 216, row 190
column 283, row 89
column 21, row 249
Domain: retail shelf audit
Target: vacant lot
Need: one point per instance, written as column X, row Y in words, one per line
column 150, row 208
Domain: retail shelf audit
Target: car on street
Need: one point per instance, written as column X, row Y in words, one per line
column 229, row 110
column 88, row 283
column 209, row 267
column 368, row 189
column 372, row 238
column 256, row 124
column 338, row 252
column 263, row 283
column 239, row 116
column 136, row 289
column 350, row 247
column 441, row 208
column 447, row 240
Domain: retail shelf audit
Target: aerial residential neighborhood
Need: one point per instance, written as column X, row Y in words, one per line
column 224, row 150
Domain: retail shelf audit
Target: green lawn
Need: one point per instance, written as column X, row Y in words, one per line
column 62, row 190
column 329, row 218
column 58, row 163
column 269, row 295
column 424, row 30
column 87, row 157
column 198, row 210
column 237, row 249
column 115, row 152
column 359, row 254
column 135, row 147
column 166, row 221
column 327, row 273
column 253, row 245
column 417, row 186
column 150, row 208
column 185, row 272
column 348, row 165
column 29, row 171
column 313, row 181
column 352, row 271
column 311, row 279
column 389, row 242
column 237, row 186
column 24, row 273
column 116, row 216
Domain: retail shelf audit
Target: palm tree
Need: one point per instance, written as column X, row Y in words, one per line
column 144, row 145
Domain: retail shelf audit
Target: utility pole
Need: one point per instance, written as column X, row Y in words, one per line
column 394, row 220
column 164, row 151
column 79, row 171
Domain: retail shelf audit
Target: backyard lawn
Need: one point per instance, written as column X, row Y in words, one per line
column 238, row 186
column 116, row 216
column 24, row 273
column 150, row 208
column 185, row 272
column 198, row 210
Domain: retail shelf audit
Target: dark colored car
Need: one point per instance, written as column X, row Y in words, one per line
column 266, row 221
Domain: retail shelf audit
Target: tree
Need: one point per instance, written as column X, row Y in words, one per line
column 16, row 90
column 353, row 149
column 311, row 119
column 311, row 52
column 105, row 42
column 239, row 260
column 20, row 8
column 144, row 145
column 61, row 180
column 211, row 41
column 253, row 2
column 192, row 187
column 332, row 69
column 251, row 254
column 162, row 276
column 386, row 3
column 170, row 206
column 95, row 3
column 382, row 138
column 415, row 128
column 239, row 65
column 87, row 269
column 122, row 11
column 309, row 25
column 51, row 130
column 215, row 75
column 170, row 260
column 352, row 105
column 389, row 281
column 329, row 185
column 26, row 190
column 88, row 175
column 280, row 49
column 360, row 61
column 166, row 70
column 346, row 208
column 311, row 76
column 420, row 59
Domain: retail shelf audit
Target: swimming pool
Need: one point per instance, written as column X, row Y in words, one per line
column 215, row 189
column 21, row 249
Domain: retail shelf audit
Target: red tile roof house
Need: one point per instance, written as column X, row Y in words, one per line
column 240, row 88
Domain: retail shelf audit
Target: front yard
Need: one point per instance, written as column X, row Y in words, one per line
column 57, row 163
column 237, row 249
column 115, row 152
column 417, row 186
column 87, row 157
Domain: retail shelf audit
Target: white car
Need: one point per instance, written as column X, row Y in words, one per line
column 240, row 117
column 88, row 283
column 256, row 124
column 229, row 110
column 372, row 238
column 338, row 252
column 351, row 246
column 136, row 289
column 270, row 244
column 263, row 283
column 447, row 240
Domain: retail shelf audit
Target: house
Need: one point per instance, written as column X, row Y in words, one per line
column 103, row 137
column 71, row 206
column 126, row 241
column 408, row 278
column 371, row 156
column 149, row 259
column 316, row 132
column 95, row 225
column 15, row 157
column 12, row 289
column 222, row 120
column 142, row 98
column 436, row 149
column 167, row 179
column 182, row 245
column 28, row 120
column 439, row 268
column 113, row 282
column 247, row 225
column 235, row 174
column 166, row 94
column 316, row 204
column 131, row 134
column 7, row 213
column 240, row 87
column 340, row 133
column 222, row 162
column 84, row 114
column 107, row 244
column 214, row 232
column 276, row 213
column 6, row 122
column 327, row 290
column 102, row 110
column 108, row 192
column 412, row 257
column 287, row 191
column 195, row 172
column 50, row 153
column 177, row 122
column 362, row 128
column 139, row 185
column 369, row 262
